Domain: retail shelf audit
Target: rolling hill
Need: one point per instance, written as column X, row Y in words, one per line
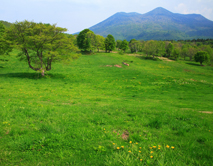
column 6, row 24
column 158, row 24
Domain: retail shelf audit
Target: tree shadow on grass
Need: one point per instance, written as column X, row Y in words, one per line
column 149, row 58
column 193, row 64
column 32, row 75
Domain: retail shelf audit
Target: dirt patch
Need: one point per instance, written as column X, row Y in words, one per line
column 118, row 66
column 125, row 135
column 206, row 112
column 165, row 59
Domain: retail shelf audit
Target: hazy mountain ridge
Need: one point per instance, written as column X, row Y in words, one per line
column 6, row 24
column 158, row 24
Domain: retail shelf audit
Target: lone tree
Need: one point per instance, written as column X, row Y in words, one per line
column 41, row 44
column 109, row 43
column 201, row 57
column 86, row 40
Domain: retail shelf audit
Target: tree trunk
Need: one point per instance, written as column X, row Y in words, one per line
column 42, row 73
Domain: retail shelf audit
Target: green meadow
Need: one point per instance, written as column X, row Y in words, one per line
column 90, row 112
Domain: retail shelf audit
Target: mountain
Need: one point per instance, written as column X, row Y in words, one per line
column 158, row 24
column 6, row 24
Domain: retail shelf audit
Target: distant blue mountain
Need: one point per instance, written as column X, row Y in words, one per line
column 158, row 24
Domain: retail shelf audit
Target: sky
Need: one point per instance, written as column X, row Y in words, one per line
column 76, row 15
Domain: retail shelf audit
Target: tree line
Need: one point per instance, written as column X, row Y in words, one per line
column 41, row 44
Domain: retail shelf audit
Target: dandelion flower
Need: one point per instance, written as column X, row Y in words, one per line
column 158, row 148
column 172, row 147
column 151, row 152
column 150, row 147
column 129, row 151
column 167, row 146
column 154, row 146
column 130, row 142
column 113, row 143
column 139, row 151
column 118, row 148
column 151, row 157
column 141, row 159
column 140, row 147
column 136, row 143
column 122, row 146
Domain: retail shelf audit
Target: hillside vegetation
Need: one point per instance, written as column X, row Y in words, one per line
column 91, row 112
column 158, row 24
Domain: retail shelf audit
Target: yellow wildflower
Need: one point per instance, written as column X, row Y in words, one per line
column 151, row 152
column 151, row 157
column 167, row 146
column 136, row 143
column 118, row 148
column 140, row 147
column 113, row 143
column 129, row 151
column 139, row 151
column 158, row 148
column 122, row 146
column 141, row 159
column 150, row 147
column 172, row 147
column 130, row 142
column 154, row 146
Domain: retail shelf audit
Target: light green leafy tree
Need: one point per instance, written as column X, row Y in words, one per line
column 5, row 45
column 169, row 49
column 118, row 44
column 150, row 48
column 41, row 44
column 176, row 54
column 100, row 42
column 135, row 45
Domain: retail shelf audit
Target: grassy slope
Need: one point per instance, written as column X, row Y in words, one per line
column 75, row 114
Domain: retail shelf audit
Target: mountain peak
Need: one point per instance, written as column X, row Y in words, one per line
column 159, row 11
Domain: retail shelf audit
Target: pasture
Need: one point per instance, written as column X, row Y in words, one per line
column 91, row 112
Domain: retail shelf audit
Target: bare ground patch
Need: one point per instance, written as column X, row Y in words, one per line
column 206, row 112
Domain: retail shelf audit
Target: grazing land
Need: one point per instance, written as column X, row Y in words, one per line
column 91, row 112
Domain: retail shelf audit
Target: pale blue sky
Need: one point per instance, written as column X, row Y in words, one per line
column 76, row 15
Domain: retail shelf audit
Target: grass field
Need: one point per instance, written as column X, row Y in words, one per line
column 93, row 113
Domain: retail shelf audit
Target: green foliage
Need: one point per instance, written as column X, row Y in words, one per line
column 100, row 42
column 118, row 44
column 5, row 45
column 86, row 40
column 135, row 45
column 124, row 45
column 169, row 49
column 201, row 56
column 41, row 44
column 176, row 54
column 109, row 43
